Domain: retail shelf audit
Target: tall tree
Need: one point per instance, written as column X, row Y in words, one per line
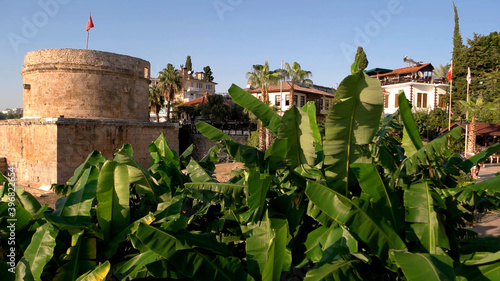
column 297, row 76
column 363, row 61
column 459, row 64
column 156, row 101
column 261, row 77
column 208, row 74
column 169, row 83
column 188, row 64
column 478, row 109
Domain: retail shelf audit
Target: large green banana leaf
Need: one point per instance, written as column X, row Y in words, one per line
column 27, row 201
column 266, row 251
column 361, row 220
column 258, row 186
column 94, row 159
column 80, row 257
column 23, row 217
column 181, row 251
column 197, row 173
column 198, row 265
column 426, row 222
column 279, row 258
column 480, row 266
column 112, row 246
column 231, row 192
column 165, row 243
column 166, row 163
column 269, row 118
column 479, row 157
column 411, row 138
column 98, row 274
column 131, row 267
column 296, row 130
column 385, row 200
column 310, row 109
column 386, row 149
column 211, row 132
column 38, row 253
column 336, row 240
column 337, row 270
column 113, row 211
column 431, row 153
column 74, row 209
column 142, row 179
column 350, row 126
column 423, row 266
column 241, row 153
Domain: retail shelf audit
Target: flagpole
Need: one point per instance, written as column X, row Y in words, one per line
column 467, row 115
column 449, row 108
column 89, row 26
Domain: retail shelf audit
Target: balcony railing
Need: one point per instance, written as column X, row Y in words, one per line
column 407, row 79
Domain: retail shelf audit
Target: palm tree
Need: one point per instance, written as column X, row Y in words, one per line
column 296, row 75
column 476, row 108
column 169, row 83
column 260, row 76
column 156, row 101
column 440, row 71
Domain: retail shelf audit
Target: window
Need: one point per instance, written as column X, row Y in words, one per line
column 208, row 87
column 386, row 101
column 396, row 101
column 302, row 101
column 421, row 100
column 199, row 85
column 277, row 100
column 192, row 84
column 287, row 100
column 295, row 100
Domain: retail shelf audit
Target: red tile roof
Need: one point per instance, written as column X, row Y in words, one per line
column 489, row 129
column 198, row 101
column 287, row 85
column 406, row 70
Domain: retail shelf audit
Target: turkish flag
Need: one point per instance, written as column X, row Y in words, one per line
column 90, row 24
column 450, row 72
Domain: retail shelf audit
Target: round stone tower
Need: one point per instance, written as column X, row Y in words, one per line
column 85, row 84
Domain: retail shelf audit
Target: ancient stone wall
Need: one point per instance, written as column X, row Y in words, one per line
column 77, row 138
column 30, row 147
column 85, row 84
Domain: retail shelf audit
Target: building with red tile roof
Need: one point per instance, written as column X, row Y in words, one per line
column 423, row 91
column 279, row 96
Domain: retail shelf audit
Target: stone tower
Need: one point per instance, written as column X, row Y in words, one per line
column 77, row 101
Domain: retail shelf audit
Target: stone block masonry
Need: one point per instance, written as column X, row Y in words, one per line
column 48, row 151
column 85, row 84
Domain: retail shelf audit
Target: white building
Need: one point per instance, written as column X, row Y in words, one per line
column 422, row 90
column 279, row 96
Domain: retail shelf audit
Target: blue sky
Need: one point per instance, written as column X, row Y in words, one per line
column 232, row 35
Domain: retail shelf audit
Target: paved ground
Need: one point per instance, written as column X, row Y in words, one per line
column 488, row 224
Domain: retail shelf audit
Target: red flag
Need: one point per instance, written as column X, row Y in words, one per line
column 450, row 72
column 90, row 24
